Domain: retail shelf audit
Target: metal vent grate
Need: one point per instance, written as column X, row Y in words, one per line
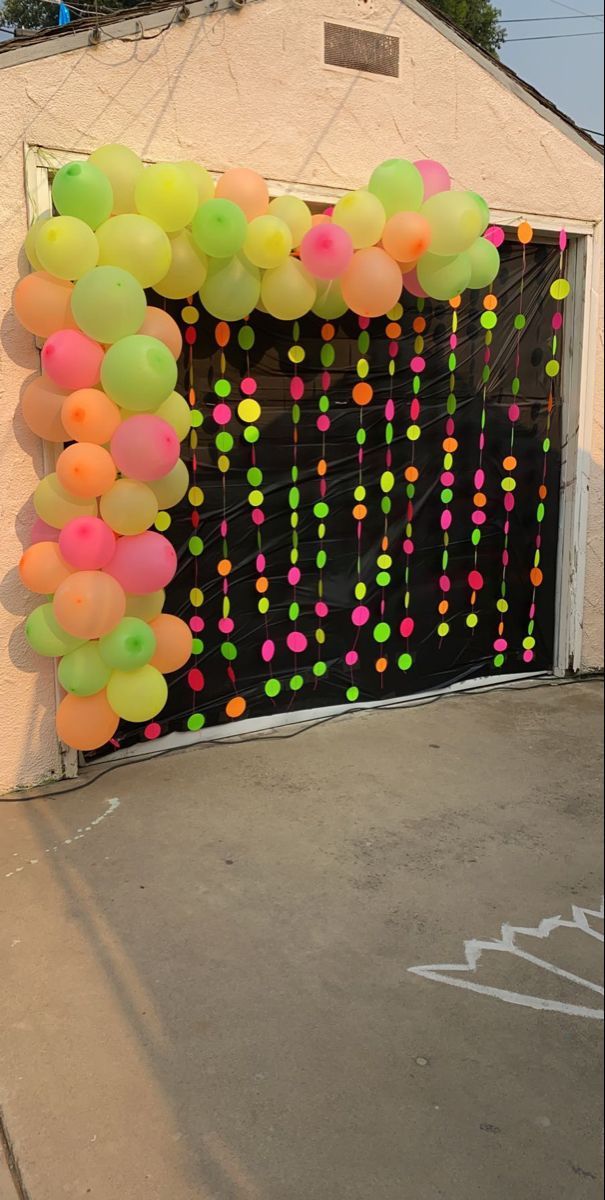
column 361, row 50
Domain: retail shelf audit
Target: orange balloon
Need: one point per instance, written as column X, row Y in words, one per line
column 43, row 568
column 161, row 325
column 406, row 236
column 89, row 604
column 41, row 405
column 86, row 722
column 320, row 219
column 90, row 416
column 173, row 638
column 372, row 284
column 246, row 188
column 86, row 470
column 42, row 303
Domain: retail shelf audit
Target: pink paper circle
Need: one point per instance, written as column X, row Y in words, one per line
column 321, row 609
column 297, row 388
column 221, row 414
column 446, row 519
column 293, row 576
column 406, row 628
column 226, row 625
column 475, row 580
column 500, row 644
column 323, row 423
column 248, row 385
column 360, row 615
column 267, row 650
column 495, row 235
column 351, row 658
column 196, row 624
column 296, row 642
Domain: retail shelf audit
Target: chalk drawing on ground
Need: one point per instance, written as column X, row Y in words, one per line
column 78, row 834
column 460, row 975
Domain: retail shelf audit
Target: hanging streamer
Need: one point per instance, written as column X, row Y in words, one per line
column 321, row 508
column 489, row 320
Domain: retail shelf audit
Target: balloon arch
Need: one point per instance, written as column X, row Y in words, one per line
column 109, row 370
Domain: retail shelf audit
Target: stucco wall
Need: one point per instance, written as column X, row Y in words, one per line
column 250, row 88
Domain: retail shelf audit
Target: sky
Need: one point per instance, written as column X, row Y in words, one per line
column 566, row 69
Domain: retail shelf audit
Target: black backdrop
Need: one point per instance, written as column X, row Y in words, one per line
column 436, row 660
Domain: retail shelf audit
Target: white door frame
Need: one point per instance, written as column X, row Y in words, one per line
column 577, row 389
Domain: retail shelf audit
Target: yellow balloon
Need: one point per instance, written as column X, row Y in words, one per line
column 201, row 178
column 176, row 411
column 29, row 244
column 295, row 213
column 137, row 695
column 171, row 489
column 232, row 288
column 137, row 245
column 187, row 271
column 268, row 242
column 66, row 247
column 146, row 608
column 167, row 195
column 288, row 291
column 128, row 507
column 122, row 168
column 57, row 506
column 329, row 304
column 363, row 217
column 456, row 222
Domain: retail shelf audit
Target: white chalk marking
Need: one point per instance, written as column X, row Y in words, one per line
column 473, row 949
column 113, row 804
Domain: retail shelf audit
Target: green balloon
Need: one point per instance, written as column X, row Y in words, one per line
column 398, row 185
column 483, row 209
column 83, row 672
column 108, row 304
column 129, row 646
column 46, row 636
column 485, row 263
column 232, row 288
column 219, row 228
column 329, row 304
column 443, row 278
column 139, row 372
column 455, row 219
column 82, row 190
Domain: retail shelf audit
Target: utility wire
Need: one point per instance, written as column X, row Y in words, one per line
column 549, row 37
column 535, row 20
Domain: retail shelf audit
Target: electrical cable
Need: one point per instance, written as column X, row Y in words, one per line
column 314, row 723
column 533, row 20
column 551, row 37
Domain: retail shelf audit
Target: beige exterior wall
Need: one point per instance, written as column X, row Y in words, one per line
column 250, row 88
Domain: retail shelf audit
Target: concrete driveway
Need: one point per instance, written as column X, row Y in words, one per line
column 205, row 960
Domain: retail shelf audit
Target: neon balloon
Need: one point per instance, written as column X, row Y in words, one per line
column 45, row 635
column 159, row 324
column 135, row 244
column 329, row 303
column 86, row 470
column 201, row 178
column 326, row 251
column 29, row 244
column 88, row 415
column 173, row 643
column 138, row 372
column 137, row 695
column 443, row 278
column 363, row 216
column 289, row 291
column 122, row 168
column 143, row 563
column 187, row 271
column 89, row 603
column 485, row 263
column 171, row 489
column 219, row 228
column 66, row 247
column 130, row 645
column 398, row 185
column 167, row 195
column 82, row 672
column 177, row 412
column 483, row 208
column 412, row 285
column 129, row 507
column 43, row 304
column 71, row 359
column 86, row 722
column 435, row 177
column 57, row 506
column 146, row 607
column 372, row 283
column 455, row 220
column 295, row 213
column 42, row 406
column 144, row 447
column 232, row 288
column 87, row 543
column 268, row 241
column 108, row 303
column 407, row 235
column 42, row 568
column 81, row 190
column 246, row 188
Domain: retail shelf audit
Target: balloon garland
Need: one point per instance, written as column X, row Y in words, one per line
column 109, row 371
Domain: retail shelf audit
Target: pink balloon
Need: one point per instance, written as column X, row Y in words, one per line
column 41, row 532
column 326, row 251
column 145, row 447
column 143, row 563
column 434, row 176
column 72, row 360
column 411, row 284
column 87, row 543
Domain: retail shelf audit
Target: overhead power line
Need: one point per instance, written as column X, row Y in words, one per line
column 535, row 20
column 550, row 37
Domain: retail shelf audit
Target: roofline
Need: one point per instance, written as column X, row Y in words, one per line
column 133, row 22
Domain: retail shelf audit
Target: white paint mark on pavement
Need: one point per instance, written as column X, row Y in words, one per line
column 112, row 805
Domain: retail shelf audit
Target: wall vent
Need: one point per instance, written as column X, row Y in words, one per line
column 361, row 50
